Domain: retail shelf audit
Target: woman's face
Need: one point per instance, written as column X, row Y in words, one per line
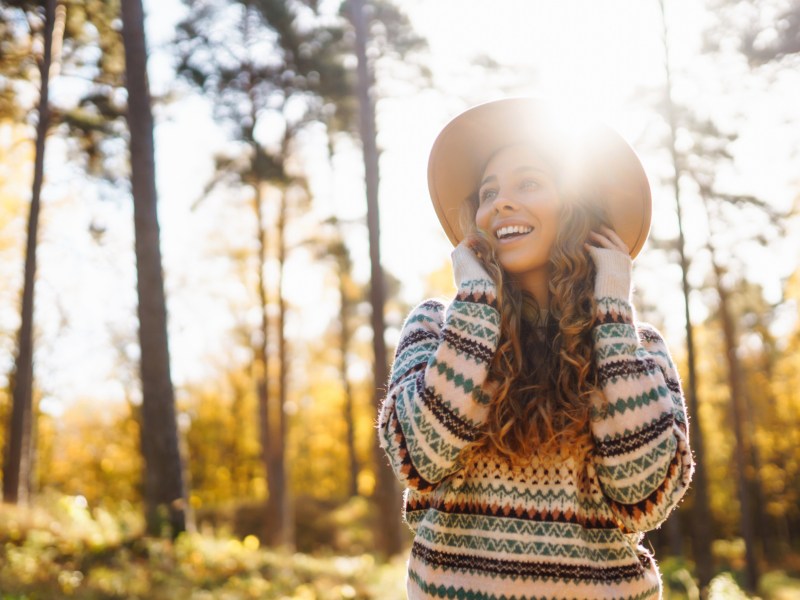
column 518, row 190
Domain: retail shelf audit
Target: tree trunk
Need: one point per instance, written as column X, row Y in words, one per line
column 738, row 415
column 164, row 489
column 272, row 533
column 286, row 536
column 18, row 460
column 272, row 521
column 674, row 534
column 701, row 513
column 344, row 342
column 771, row 534
column 235, row 455
column 387, row 494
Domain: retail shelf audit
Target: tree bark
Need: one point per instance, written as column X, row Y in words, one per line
column 387, row 494
column 19, row 455
column 164, row 490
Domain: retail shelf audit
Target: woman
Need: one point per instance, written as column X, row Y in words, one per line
column 538, row 428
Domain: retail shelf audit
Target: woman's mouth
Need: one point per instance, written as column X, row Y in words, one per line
column 506, row 235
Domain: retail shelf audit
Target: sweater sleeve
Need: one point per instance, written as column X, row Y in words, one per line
column 435, row 403
column 642, row 456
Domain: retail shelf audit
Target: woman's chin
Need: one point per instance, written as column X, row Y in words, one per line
column 514, row 268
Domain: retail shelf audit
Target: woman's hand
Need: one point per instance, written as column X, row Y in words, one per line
column 613, row 261
column 467, row 264
column 609, row 240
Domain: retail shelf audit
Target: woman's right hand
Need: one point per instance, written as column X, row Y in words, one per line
column 466, row 265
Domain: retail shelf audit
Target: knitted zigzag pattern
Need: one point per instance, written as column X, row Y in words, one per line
column 559, row 526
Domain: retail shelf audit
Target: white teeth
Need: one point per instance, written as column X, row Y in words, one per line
column 504, row 231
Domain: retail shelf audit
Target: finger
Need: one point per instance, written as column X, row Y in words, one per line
column 601, row 239
column 613, row 241
column 614, row 236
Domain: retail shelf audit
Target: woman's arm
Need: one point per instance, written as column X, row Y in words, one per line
column 642, row 457
column 434, row 404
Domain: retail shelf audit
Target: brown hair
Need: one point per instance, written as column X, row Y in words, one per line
column 543, row 373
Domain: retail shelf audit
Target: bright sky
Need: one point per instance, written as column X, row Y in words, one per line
column 590, row 55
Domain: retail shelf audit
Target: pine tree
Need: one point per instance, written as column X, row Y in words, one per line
column 164, row 489
column 20, row 448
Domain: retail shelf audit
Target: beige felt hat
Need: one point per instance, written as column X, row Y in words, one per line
column 594, row 158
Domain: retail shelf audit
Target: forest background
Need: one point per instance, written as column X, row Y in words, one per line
column 214, row 218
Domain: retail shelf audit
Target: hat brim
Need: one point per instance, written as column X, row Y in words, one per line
column 605, row 165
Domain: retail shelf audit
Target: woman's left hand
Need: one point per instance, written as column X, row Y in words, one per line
column 613, row 262
column 610, row 240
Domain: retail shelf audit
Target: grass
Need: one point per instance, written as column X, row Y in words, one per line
column 194, row 566
column 64, row 550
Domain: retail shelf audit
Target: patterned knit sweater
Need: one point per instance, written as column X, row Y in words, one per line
column 558, row 526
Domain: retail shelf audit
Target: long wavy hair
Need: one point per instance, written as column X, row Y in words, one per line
column 543, row 373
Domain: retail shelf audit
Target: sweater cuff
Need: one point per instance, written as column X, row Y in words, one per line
column 614, row 270
column 466, row 266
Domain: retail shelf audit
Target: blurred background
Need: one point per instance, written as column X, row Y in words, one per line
column 214, row 219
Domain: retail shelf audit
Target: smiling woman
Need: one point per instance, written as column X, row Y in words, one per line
column 538, row 428
column 518, row 205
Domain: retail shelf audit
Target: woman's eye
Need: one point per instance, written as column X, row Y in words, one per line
column 526, row 184
column 488, row 195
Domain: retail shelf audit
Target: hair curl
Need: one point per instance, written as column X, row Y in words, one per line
column 544, row 373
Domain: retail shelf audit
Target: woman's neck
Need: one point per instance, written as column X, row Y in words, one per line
column 535, row 283
column 533, row 314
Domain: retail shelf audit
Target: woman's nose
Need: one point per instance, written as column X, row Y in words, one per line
column 503, row 201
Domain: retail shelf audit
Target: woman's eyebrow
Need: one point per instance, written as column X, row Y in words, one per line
column 517, row 170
